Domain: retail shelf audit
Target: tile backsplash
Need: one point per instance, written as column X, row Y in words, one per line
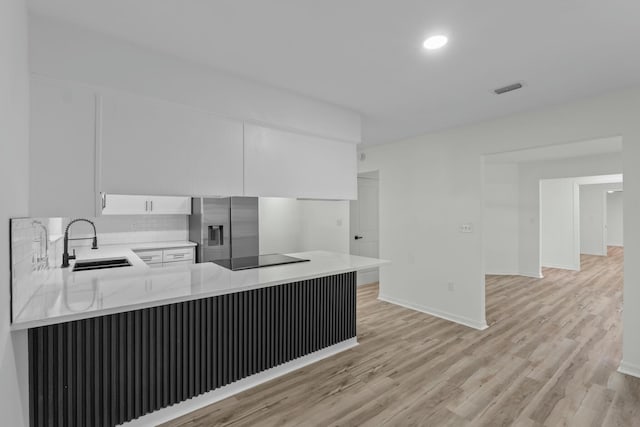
column 36, row 246
column 123, row 229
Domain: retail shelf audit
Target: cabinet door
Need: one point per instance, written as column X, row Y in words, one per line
column 178, row 254
column 286, row 164
column 150, row 257
column 170, row 205
column 62, row 150
column 123, row 204
column 150, row 146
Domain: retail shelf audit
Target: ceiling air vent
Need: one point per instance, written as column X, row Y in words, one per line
column 508, row 88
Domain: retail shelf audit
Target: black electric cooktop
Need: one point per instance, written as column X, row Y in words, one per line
column 248, row 262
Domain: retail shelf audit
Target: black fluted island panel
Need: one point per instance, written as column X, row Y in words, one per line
column 107, row 370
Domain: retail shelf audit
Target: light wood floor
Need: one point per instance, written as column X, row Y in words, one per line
column 549, row 358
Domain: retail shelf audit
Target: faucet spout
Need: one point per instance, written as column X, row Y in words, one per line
column 94, row 241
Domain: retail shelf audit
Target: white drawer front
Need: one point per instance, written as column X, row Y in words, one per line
column 180, row 254
column 150, row 257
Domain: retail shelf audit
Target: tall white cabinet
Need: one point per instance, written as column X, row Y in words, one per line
column 155, row 147
column 278, row 163
column 62, row 149
column 87, row 141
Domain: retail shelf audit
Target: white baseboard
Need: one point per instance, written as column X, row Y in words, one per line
column 502, row 273
column 562, row 267
column 629, row 369
column 179, row 409
column 535, row 275
column 437, row 313
column 532, row 275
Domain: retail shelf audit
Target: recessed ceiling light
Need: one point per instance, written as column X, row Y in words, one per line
column 435, row 42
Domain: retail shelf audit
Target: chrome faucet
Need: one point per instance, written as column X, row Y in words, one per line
column 65, row 255
column 42, row 259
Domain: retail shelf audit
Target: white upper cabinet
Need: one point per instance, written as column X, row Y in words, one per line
column 170, row 205
column 286, row 164
column 156, row 147
column 125, row 204
column 62, row 149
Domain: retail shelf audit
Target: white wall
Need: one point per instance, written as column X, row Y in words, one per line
column 511, row 206
column 431, row 184
column 325, row 225
column 594, row 218
column 280, row 225
column 14, row 198
column 62, row 51
column 615, row 219
column 290, row 225
column 501, row 218
column 592, row 221
column 560, row 224
column 529, row 184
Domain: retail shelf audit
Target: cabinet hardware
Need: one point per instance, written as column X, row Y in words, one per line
column 152, row 206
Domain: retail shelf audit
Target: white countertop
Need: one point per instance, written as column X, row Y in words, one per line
column 67, row 295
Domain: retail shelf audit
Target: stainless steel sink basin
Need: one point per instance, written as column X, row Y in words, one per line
column 98, row 264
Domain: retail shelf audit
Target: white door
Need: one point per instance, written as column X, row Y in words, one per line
column 364, row 224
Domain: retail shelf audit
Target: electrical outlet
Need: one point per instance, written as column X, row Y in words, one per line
column 466, row 228
column 451, row 286
column 339, row 222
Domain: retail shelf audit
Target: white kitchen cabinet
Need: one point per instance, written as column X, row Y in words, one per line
column 62, row 149
column 150, row 257
column 286, row 164
column 170, row 205
column 177, row 254
column 125, row 204
column 150, row 146
column 167, row 257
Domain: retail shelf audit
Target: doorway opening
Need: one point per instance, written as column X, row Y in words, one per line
column 364, row 224
column 549, row 206
column 573, row 219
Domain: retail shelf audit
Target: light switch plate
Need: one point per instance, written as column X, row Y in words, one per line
column 466, row 228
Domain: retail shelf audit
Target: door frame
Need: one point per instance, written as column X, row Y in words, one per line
column 370, row 275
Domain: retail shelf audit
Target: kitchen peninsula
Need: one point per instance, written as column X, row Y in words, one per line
column 108, row 346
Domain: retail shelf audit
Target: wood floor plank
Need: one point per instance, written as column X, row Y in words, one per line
column 549, row 358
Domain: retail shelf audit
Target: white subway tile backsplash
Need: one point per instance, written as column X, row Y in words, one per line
column 135, row 229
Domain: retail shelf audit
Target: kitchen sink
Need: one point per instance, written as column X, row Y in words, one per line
column 99, row 264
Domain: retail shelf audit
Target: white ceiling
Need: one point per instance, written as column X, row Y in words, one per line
column 367, row 54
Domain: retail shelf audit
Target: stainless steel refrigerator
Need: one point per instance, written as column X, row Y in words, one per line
column 224, row 227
